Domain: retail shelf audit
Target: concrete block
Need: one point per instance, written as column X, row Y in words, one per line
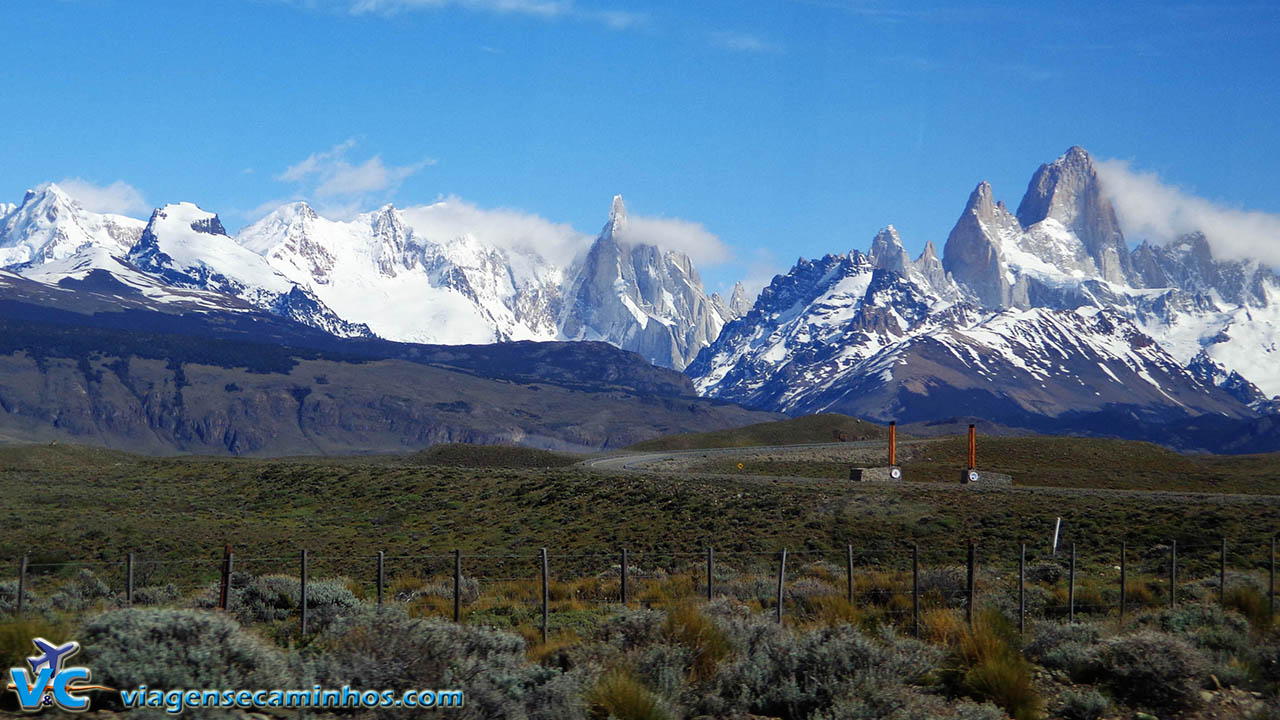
column 876, row 474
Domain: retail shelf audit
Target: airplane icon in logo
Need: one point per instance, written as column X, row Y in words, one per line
column 54, row 657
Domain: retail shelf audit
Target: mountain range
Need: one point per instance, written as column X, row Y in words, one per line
column 1045, row 318
column 1042, row 318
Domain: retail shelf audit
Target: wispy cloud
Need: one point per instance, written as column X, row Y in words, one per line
column 514, row 230
column 702, row 246
column 1150, row 208
column 616, row 19
column 119, row 197
column 744, row 42
column 331, row 177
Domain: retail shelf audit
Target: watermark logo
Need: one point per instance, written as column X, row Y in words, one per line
column 50, row 682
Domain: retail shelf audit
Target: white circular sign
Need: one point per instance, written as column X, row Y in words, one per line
column 896, row 473
column 973, row 476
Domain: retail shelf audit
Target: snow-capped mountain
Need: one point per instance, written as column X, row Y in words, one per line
column 405, row 285
column 1028, row 316
column 48, row 225
column 378, row 275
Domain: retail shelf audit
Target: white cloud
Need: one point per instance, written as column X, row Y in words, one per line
column 119, row 197
column 702, row 246
column 329, row 174
column 1149, row 208
column 744, row 42
column 512, row 230
column 543, row 9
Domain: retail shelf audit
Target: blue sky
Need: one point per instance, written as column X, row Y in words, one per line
column 784, row 127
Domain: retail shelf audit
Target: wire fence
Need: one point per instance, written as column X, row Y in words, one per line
column 545, row 588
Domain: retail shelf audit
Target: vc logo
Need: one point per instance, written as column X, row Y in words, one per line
column 50, row 682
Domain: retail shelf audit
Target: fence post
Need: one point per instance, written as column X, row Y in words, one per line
column 1124, row 600
column 546, row 597
column 1071, row 590
column 224, row 592
column 1222, row 575
column 971, row 584
column 849, row 571
column 1173, row 574
column 624, row 576
column 782, row 574
column 1022, row 589
column 457, row 585
column 382, row 576
column 711, row 559
column 128, row 580
column 303, row 584
column 1273, row 577
column 915, row 589
column 22, row 584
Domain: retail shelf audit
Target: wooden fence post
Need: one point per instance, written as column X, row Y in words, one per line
column 224, row 592
column 1173, row 574
column 782, row 574
column 972, row 582
column 1071, row 589
column 1124, row 600
column 457, row 585
column 128, row 580
column 915, row 589
column 849, row 571
column 711, row 560
column 546, row 597
column 382, row 576
column 22, row 584
column 624, row 576
column 303, row 588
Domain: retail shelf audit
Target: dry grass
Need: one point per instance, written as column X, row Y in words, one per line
column 686, row 625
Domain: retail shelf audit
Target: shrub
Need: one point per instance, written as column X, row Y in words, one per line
column 16, row 636
column 1071, row 648
column 385, row 648
column 618, row 694
column 628, row 629
column 707, row 644
column 1088, row 704
column 81, row 593
column 170, row 649
column 783, row 674
column 31, row 603
column 1154, row 670
column 271, row 598
column 156, row 595
column 662, row 667
column 992, row 669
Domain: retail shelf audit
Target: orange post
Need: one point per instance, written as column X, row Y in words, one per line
column 973, row 447
column 893, row 443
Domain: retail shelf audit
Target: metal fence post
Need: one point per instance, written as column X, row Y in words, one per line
column 1173, row 574
column 1222, row 575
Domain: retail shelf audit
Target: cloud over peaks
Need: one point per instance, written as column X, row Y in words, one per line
column 119, row 197
column 1150, row 208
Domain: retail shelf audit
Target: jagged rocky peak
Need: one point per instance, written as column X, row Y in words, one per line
column 887, row 252
column 51, row 225
column 1188, row 264
column 1068, row 191
column 617, row 224
column 973, row 254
